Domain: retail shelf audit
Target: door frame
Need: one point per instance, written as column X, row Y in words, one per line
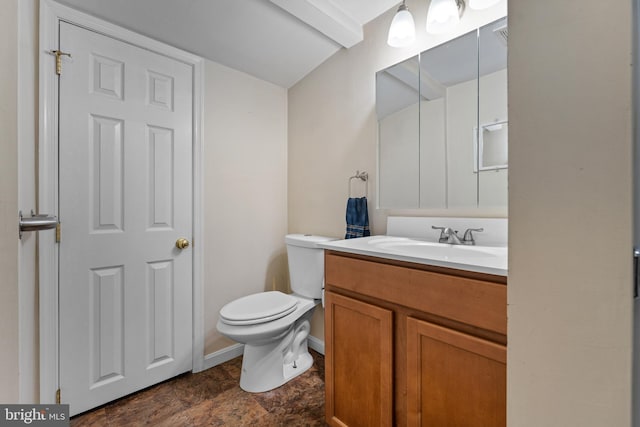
column 51, row 14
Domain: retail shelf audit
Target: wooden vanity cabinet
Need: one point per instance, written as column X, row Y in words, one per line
column 413, row 345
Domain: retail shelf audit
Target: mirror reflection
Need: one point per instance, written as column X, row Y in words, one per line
column 397, row 105
column 492, row 114
column 447, row 141
column 443, row 124
column 492, row 147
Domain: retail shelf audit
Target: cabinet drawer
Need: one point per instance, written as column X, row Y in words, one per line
column 470, row 301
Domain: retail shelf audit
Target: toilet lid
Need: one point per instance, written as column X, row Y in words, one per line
column 258, row 308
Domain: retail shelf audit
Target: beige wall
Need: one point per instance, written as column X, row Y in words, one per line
column 8, row 203
column 333, row 129
column 245, row 145
column 570, row 224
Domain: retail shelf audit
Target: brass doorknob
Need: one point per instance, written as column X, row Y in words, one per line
column 182, row 243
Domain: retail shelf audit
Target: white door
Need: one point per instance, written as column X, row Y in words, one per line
column 125, row 120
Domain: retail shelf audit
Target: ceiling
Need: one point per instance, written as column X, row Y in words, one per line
column 279, row 41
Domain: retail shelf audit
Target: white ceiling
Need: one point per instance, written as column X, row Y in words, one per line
column 279, row 41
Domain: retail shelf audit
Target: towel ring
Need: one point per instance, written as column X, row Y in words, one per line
column 364, row 176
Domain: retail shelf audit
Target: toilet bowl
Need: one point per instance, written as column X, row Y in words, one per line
column 274, row 326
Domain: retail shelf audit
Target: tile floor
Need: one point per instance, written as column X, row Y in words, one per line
column 214, row 398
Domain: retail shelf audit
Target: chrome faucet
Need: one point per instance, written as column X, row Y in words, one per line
column 468, row 239
column 450, row 236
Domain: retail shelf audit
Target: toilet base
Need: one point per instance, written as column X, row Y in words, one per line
column 268, row 366
column 303, row 363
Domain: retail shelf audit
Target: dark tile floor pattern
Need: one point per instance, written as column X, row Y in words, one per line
column 214, row 398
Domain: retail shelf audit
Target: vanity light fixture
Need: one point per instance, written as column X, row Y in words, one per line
column 444, row 15
column 403, row 29
column 482, row 4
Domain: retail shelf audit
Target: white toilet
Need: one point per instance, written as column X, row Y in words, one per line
column 274, row 326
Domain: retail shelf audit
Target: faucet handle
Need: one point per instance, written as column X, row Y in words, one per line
column 447, row 235
column 443, row 236
column 468, row 239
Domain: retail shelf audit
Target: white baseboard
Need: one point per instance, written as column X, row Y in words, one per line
column 316, row 344
column 218, row 357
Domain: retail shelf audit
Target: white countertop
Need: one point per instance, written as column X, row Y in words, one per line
column 481, row 259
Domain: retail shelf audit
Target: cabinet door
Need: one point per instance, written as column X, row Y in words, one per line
column 454, row 379
column 358, row 363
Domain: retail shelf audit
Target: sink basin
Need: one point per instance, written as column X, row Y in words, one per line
column 433, row 250
column 482, row 259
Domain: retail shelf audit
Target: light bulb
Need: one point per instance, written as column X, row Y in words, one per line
column 442, row 16
column 402, row 31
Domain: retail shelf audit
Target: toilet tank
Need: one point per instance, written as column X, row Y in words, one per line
column 306, row 264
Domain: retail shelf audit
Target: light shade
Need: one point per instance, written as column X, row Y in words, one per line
column 482, row 4
column 403, row 29
column 443, row 16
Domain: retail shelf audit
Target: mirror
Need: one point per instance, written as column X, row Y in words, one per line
column 453, row 68
column 397, row 107
column 443, row 125
column 492, row 142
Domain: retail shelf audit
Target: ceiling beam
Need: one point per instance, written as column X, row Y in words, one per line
column 327, row 18
column 409, row 73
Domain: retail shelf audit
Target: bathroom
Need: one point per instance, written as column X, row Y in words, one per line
column 570, row 183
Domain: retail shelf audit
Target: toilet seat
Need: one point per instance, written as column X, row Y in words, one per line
column 258, row 308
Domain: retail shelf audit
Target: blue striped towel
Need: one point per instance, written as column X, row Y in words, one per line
column 357, row 218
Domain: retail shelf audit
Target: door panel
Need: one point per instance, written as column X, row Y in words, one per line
column 125, row 198
column 106, row 315
column 107, row 174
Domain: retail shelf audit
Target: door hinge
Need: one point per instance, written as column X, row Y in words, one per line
column 58, row 233
column 58, row 399
column 59, row 54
